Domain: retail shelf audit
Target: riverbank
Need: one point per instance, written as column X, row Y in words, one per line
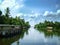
column 49, row 28
column 11, row 31
column 48, row 25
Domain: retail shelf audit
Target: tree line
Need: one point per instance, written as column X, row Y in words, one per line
column 6, row 19
column 45, row 24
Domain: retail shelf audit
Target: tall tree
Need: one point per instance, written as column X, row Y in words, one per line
column 0, row 12
column 7, row 12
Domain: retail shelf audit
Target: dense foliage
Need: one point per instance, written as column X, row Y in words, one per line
column 7, row 19
column 45, row 24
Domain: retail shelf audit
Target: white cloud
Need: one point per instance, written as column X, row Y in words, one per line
column 58, row 11
column 14, row 6
column 17, row 6
column 35, row 14
column 46, row 13
column 20, row 14
column 8, row 3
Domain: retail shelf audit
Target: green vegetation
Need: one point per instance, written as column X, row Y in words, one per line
column 44, row 25
column 49, row 32
column 7, row 19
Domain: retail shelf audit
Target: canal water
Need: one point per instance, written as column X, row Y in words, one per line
column 32, row 37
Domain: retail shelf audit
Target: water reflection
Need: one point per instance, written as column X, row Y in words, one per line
column 33, row 37
column 49, row 33
column 10, row 40
column 36, row 37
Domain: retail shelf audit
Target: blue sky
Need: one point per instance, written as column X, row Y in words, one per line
column 33, row 10
column 42, row 4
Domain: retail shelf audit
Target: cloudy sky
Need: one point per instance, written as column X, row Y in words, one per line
column 33, row 11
